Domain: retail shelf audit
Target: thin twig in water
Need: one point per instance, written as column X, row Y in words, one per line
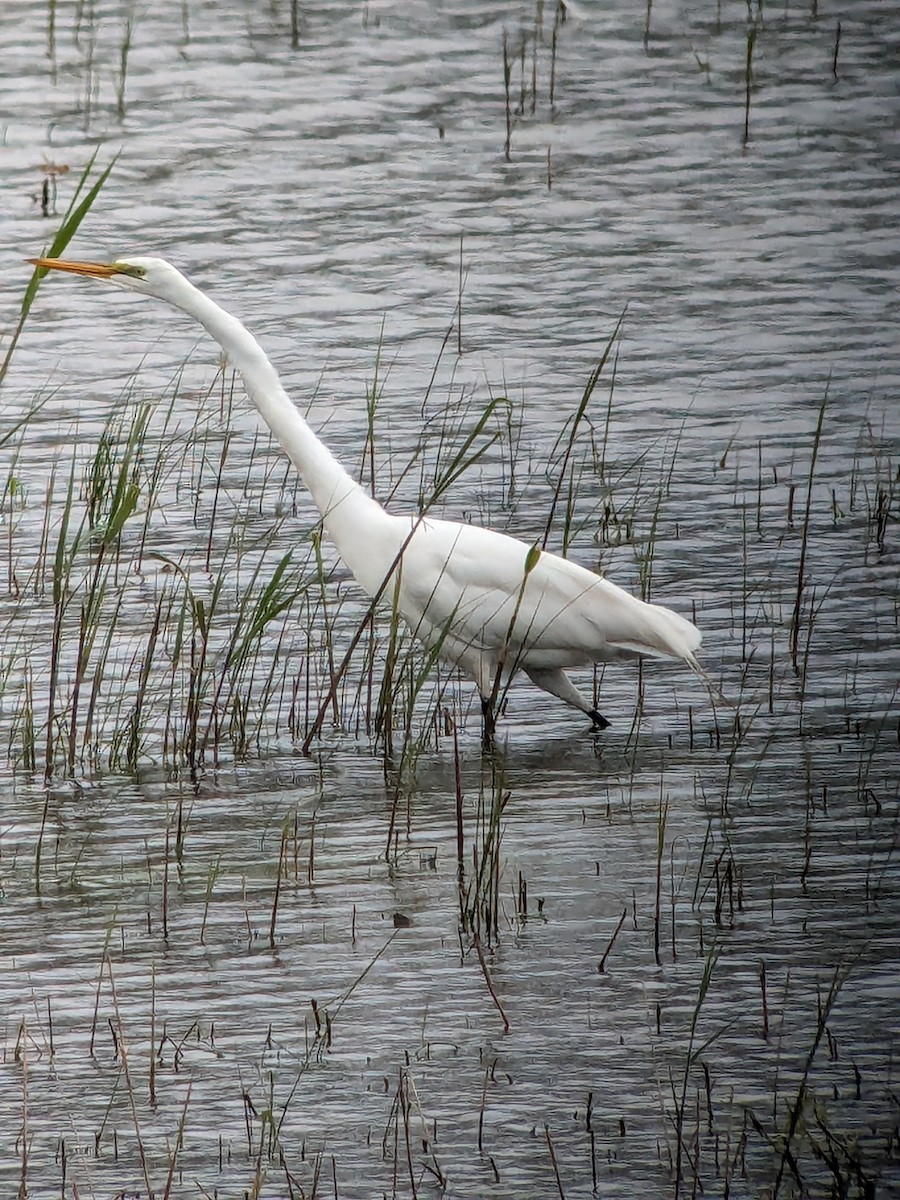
column 490, row 985
column 601, row 965
column 559, row 1186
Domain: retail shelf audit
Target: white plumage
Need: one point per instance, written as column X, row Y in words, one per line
column 487, row 602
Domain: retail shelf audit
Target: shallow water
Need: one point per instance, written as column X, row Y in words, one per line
column 322, row 193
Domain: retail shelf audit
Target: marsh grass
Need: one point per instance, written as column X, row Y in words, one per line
column 138, row 654
column 223, row 636
column 479, row 894
column 529, row 58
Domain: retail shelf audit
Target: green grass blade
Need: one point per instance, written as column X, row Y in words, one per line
column 75, row 214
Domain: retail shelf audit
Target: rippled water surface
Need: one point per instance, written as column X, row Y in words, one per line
column 231, row 968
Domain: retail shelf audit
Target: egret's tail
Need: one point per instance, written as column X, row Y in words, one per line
column 670, row 635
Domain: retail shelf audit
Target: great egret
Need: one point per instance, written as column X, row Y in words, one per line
column 483, row 600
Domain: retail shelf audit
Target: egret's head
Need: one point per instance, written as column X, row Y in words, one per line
column 150, row 276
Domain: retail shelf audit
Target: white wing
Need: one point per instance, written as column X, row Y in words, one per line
column 468, row 588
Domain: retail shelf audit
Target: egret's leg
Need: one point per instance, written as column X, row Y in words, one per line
column 558, row 684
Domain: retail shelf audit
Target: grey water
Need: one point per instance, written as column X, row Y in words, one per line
column 352, row 199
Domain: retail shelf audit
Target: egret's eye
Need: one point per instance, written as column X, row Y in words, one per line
column 128, row 269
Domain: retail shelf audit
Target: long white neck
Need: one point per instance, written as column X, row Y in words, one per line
column 349, row 514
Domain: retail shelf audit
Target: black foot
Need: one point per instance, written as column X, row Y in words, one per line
column 488, row 727
column 598, row 720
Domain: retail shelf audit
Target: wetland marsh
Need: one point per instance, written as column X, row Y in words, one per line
column 245, row 956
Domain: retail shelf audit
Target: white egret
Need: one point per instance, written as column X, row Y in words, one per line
column 485, row 601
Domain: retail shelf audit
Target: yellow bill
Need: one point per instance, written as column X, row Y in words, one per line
column 95, row 270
